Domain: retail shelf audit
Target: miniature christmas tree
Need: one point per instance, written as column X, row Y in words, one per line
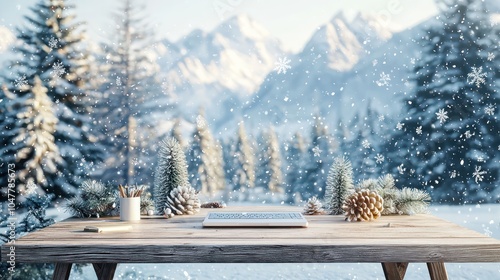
column 170, row 173
column 338, row 185
column 95, row 200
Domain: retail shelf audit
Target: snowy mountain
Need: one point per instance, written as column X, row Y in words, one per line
column 322, row 75
column 220, row 68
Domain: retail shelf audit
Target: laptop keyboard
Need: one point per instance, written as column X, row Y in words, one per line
column 254, row 215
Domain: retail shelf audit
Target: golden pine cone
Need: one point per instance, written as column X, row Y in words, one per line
column 313, row 207
column 183, row 200
column 363, row 205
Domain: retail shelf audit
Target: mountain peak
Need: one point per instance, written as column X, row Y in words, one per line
column 242, row 25
column 339, row 16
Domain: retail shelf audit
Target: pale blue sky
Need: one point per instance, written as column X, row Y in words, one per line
column 292, row 21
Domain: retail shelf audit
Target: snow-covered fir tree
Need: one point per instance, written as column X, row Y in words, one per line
column 29, row 143
column 129, row 94
column 317, row 161
column 206, row 172
column 270, row 175
column 449, row 142
column 339, row 184
column 295, row 154
column 51, row 49
column 242, row 162
column 171, row 172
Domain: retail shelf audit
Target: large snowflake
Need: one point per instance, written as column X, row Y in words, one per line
column 282, row 65
column 476, row 76
column 419, row 130
column 400, row 125
column 491, row 56
column 31, row 188
column 53, row 43
column 21, row 82
column 384, row 80
column 442, row 115
column 478, row 174
column 379, row 158
column 489, row 110
column 365, row 144
column 316, row 151
column 57, row 70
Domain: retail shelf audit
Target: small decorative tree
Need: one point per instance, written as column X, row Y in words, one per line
column 338, row 185
column 170, row 173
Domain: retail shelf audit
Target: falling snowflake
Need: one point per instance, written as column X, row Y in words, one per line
column 57, row 70
column 468, row 135
column 478, row 174
column 399, row 126
column 480, row 159
column 200, row 122
column 491, row 56
column 282, row 65
column 53, row 43
column 489, row 110
column 374, row 62
column 21, row 82
column 401, row 169
column 317, row 151
column 135, row 161
column 379, row 158
column 442, row 115
column 30, row 188
column 384, row 80
column 476, row 76
column 381, row 118
column 412, row 60
column 487, row 231
column 118, row 81
column 365, row 144
column 453, row 174
column 419, row 130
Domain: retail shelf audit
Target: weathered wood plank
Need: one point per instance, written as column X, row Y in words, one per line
column 231, row 253
column 104, row 271
column 394, row 271
column 62, row 271
column 437, row 271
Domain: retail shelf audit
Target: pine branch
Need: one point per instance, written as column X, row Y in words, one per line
column 412, row 201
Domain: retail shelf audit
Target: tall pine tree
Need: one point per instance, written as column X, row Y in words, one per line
column 448, row 142
column 242, row 162
column 51, row 50
column 270, row 175
column 295, row 154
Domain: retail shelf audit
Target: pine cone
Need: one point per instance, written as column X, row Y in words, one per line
column 214, row 204
column 363, row 205
column 183, row 200
column 313, row 207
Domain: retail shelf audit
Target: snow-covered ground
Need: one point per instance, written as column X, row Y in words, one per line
column 482, row 218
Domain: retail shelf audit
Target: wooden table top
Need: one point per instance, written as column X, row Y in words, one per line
column 418, row 238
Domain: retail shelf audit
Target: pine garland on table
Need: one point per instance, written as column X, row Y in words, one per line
column 412, row 201
column 338, row 185
column 170, row 173
column 94, row 200
column 313, row 207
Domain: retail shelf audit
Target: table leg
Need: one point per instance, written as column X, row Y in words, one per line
column 437, row 271
column 395, row 270
column 104, row 271
column 62, row 271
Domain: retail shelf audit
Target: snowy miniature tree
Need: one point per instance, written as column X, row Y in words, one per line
column 51, row 50
column 338, row 185
column 270, row 175
column 171, row 172
column 448, row 141
column 241, row 162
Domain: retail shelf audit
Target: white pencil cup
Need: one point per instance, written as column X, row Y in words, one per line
column 130, row 208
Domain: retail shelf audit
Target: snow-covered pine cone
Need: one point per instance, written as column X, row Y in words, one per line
column 313, row 207
column 363, row 205
column 183, row 200
column 214, row 204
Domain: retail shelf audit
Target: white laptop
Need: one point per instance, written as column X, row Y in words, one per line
column 254, row 219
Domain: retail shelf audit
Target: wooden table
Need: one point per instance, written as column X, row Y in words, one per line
column 393, row 241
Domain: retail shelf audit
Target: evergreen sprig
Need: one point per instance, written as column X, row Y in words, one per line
column 95, row 200
column 411, row 201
